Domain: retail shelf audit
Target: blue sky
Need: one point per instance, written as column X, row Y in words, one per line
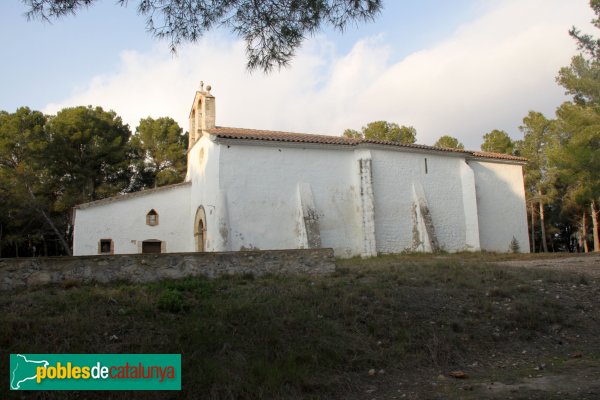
column 45, row 61
column 463, row 68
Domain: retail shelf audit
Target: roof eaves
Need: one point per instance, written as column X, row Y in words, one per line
column 417, row 146
column 128, row 196
column 291, row 137
column 481, row 155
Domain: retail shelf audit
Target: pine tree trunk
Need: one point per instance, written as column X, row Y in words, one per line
column 532, row 227
column 63, row 242
column 543, row 228
column 584, row 232
column 595, row 226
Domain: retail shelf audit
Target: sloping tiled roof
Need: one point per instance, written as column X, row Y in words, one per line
column 130, row 195
column 487, row 154
column 279, row 136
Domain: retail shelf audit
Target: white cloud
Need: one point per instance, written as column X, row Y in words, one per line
column 486, row 75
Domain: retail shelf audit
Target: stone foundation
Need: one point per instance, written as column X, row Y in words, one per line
column 18, row 273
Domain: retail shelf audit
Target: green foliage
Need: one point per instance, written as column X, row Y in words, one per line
column 449, row 142
column 582, row 77
column 171, row 300
column 88, row 154
column 272, row 29
column 564, row 154
column 383, row 131
column 21, row 135
column 514, row 246
column 585, row 42
column 159, row 147
column 352, row 134
column 581, row 80
column 497, row 141
column 25, row 187
column 50, row 164
column 577, row 157
column 538, row 137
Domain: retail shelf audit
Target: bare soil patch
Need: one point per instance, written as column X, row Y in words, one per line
column 588, row 264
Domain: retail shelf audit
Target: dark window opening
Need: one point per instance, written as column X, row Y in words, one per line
column 426, row 171
column 151, row 246
column 105, row 246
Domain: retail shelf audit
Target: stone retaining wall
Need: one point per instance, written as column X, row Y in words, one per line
column 29, row 272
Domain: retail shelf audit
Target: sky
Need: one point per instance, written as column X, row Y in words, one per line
column 460, row 68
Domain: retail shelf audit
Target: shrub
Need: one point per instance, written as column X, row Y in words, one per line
column 514, row 245
column 171, row 300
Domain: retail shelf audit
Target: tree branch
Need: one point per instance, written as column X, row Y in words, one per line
column 63, row 242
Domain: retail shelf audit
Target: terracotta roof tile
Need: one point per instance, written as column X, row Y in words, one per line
column 415, row 146
column 487, row 154
column 279, row 136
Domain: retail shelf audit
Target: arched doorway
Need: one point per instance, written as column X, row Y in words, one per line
column 200, row 229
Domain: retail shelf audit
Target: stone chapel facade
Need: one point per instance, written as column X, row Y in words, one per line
column 255, row 189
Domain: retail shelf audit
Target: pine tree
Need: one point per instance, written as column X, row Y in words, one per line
column 160, row 152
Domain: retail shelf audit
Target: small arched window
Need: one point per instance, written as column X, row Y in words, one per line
column 152, row 218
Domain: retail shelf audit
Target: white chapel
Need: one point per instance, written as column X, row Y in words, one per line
column 255, row 189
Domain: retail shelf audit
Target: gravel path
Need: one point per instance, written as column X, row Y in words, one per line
column 587, row 264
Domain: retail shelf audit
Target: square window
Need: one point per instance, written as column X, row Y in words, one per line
column 105, row 246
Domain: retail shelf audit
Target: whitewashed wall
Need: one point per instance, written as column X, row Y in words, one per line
column 261, row 185
column 203, row 171
column 501, row 205
column 471, row 210
column 124, row 221
column 393, row 174
column 250, row 195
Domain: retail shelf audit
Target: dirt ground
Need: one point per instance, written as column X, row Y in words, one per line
column 413, row 326
column 588, row 264
column 563, row 365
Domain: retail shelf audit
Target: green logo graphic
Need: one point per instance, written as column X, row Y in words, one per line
column 95, row 372
column 24, row 370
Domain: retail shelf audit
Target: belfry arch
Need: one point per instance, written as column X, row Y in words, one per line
column 200, row 230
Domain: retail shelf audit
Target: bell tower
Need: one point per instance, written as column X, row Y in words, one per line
column 202, row 115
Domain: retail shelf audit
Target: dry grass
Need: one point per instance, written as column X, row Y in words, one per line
column 311, row 337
